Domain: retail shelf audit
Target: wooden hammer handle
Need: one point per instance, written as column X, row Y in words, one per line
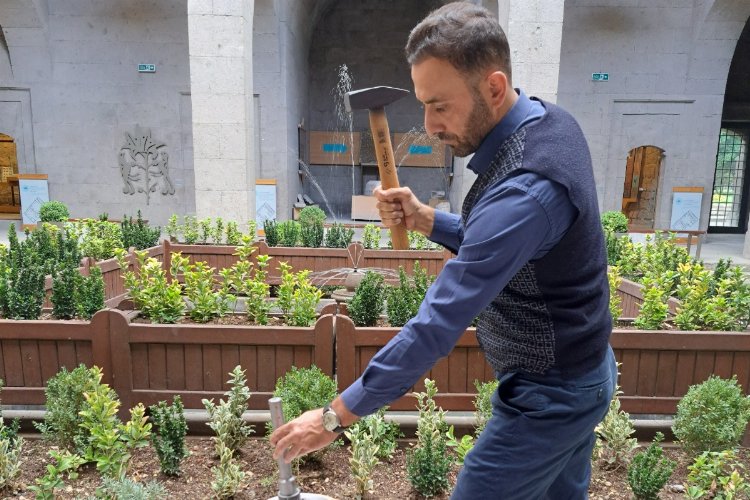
column 381, row 136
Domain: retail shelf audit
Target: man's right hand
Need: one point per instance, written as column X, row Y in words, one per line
column 400, row 204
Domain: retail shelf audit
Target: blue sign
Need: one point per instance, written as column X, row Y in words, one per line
column 334, row 148
column 419, row 149
column 147, row 68
column 600, row 77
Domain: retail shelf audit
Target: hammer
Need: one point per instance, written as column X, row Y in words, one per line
column 375, row 99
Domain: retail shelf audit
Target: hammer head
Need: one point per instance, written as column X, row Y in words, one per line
column 372, row 98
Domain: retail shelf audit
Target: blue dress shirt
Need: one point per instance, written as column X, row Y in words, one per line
column 516, row 220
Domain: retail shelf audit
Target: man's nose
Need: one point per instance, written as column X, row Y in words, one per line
column 431, row 123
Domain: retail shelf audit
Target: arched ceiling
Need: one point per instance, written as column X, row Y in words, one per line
column 739, row 72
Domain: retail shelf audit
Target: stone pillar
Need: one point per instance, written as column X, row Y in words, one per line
column 534, row 31
column 221, row 82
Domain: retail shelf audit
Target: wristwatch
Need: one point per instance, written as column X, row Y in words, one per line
column 331, row 421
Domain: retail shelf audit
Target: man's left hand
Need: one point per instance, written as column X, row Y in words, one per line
column 302, row 435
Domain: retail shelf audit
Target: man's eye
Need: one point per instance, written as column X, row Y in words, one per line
column 440, row 109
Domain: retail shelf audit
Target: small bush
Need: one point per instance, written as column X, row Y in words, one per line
column 428, row 463
column 303, row 389
column 614, row 278
column 289, row 233
column 64, row 286
column 64, row 401
column 226, row 417
column 650, row 470
column 712, row 416
column 367, row 303
column 403, row 301
column 384, row 434
column 614, row 221
column 53, row 211
column 338, row 236
column 138, row 234
column 614, row 444
column 718, row 475
column 371, row 236
column 90, row 294
column 364, row 457
column 127, row 489
column 311, row 221
column 483, row 403
column 169, row 433
column 271, row 230
column 228, row 475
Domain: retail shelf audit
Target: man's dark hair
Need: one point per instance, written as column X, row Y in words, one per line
column 465, row 35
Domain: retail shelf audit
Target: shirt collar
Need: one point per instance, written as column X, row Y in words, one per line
column 511, row 122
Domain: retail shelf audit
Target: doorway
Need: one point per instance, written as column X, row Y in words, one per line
column 729, row 195
column 641, row 187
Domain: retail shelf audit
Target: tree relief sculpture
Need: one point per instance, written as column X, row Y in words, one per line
column 144, row 165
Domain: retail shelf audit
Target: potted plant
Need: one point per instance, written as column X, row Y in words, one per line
column 53, row 212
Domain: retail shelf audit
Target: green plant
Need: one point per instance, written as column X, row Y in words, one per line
column 89, row 296
column 205, row 229
column 418, row 241
column 363, row 459
column 428, row 463
column 650, row 470
column 289, row 233
column 98, row 239
column 718, row 475
column 127, row 489
column 233, row 233
column 483, row 403
column 65, row 463
column 226, row 417
column 371, row 236
column 311, row 225
column 338, row 236
column 138, row 234
column 712, row 416
column 303, row 389
column 385, row 434
column 461, row 446
column 228, row 476
column 64, row 285
column 206, row 303
column 64, row 401
column 108, row 442
column 217, row 233
column 271, row 230
column 403, row 301
column 158, row 298
column 25, row 292
column 285, row 291
column 614, row 278
column 614, row 444
column 169, row 433
column 303, row 310
column 367, row 303
column 173, row 228
column 104, row 216
column 53, row 211
column 615, row 221
column 190, row 229
column 654, row 309
column 258, row 292
column 10, row 458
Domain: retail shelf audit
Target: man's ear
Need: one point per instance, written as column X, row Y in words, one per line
column 498, row 87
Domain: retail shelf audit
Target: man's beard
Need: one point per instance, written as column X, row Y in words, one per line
column 477, row 127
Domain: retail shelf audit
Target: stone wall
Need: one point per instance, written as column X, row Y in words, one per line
column 70, row 91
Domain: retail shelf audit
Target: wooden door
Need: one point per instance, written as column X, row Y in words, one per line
column 640, row 191
column 8, row 166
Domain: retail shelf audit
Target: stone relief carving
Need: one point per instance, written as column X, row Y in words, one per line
column 144, row 165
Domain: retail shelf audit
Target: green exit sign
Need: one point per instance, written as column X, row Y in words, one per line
column 147, row 68
column 600, row 77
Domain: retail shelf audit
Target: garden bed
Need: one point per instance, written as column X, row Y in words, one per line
column 330, row 476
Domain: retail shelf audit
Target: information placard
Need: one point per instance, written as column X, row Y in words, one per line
column 686, row 208
column 33, row 193
column 265, row 202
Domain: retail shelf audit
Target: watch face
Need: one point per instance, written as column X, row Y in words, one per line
column 330, row 420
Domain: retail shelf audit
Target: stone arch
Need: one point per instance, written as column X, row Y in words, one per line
column 23, row 24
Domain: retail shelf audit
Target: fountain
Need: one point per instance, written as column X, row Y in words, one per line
column 288, row 489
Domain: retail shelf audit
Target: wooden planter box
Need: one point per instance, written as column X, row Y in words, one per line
column 454, row 374
column 148, row 363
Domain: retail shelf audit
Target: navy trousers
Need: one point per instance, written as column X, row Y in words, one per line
column 539, row 441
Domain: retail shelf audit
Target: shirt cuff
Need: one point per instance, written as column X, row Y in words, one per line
column 361, row 402
column 446, row 228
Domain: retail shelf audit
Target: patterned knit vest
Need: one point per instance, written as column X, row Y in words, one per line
column 554, row 313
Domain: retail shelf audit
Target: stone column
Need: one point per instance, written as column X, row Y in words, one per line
column 534, row 31
column 221, row 83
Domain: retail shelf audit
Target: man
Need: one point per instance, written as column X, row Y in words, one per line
column 530, row 262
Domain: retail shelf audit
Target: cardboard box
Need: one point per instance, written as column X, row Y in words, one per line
column 363, row 208
column 334, row 148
